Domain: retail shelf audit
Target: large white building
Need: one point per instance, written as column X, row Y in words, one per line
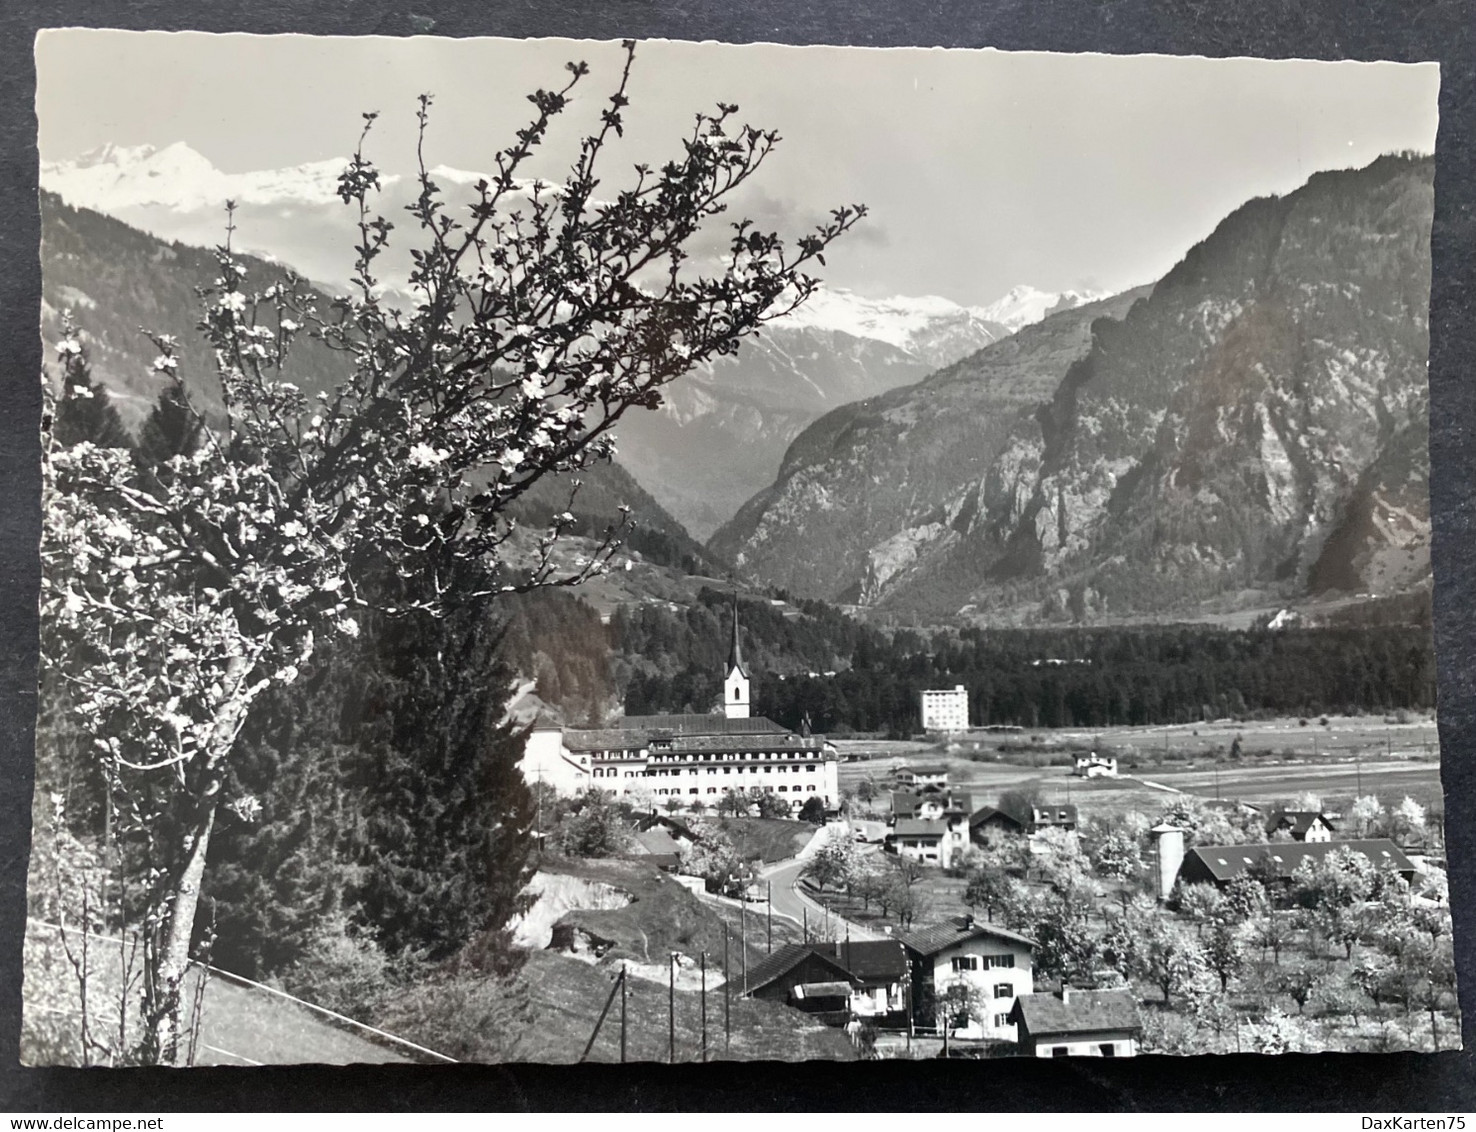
column 688, row 757
column 945, row 709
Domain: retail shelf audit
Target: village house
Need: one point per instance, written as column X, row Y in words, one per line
column 688, row 758
column 1299, row 825
column 918, row 839
column 1220, row 864
column 989, row 822
column 1052, row 817
column 995, row 963
column 918, row 778
column 836, row 981
column 1094, row 765
column 1077, row 1023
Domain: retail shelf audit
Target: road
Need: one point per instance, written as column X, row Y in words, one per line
column 791, row 902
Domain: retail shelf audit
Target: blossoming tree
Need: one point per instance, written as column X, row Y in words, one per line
column 176, row 592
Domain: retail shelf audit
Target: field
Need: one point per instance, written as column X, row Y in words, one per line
column 1346, row 756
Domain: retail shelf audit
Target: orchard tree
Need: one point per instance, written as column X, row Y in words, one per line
column 832, row 862
column 176, row 594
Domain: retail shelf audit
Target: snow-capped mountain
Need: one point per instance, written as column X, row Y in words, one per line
column 1024, row 305
column 113, row 179
column 722, row 433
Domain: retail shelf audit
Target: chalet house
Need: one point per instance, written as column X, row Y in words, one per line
column 989, row 821
column 836, row 981
column 1219, row 864
column 1095, row 766
column 1300, row 825
column 919, row 840
column 930, row 777
column 1077, row 1023
column 1052, row 817
column 930, row 807
column 996, row 962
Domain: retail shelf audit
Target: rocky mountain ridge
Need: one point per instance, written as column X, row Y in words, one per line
column 1250, row 431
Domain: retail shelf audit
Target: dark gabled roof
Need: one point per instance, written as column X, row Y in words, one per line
column 702, row 725
column 775, row 966
column 1046, row 1015
column 605, row 739
column 1226, row 861
column 924, row 768
column 990, row 813
column 931, row 940
column 918, row 827
column 904, row 802
column 868, row 960
column 741, row 744
column 1296, row 821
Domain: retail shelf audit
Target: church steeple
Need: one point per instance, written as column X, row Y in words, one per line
column 736, row 684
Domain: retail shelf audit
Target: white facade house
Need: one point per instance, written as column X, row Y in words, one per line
column 996, row 964
column 1096, row 766
column 688, row 757
column 946, row 709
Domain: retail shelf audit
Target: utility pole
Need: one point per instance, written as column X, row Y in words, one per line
column 771, row 918
column 671, row 1012
column 743, row 943
column 704, row 1007
column 1358, row 765
column 622, row 1014
column 727, row 996
column 805, row 909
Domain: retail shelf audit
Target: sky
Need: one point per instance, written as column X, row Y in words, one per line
column 981, row 169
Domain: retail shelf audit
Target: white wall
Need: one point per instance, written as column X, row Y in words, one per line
column 1088, row 1047
column 1020, row 978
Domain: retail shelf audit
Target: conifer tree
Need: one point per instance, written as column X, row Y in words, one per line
column 84, row 411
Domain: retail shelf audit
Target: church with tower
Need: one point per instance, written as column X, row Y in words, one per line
column 689, row 758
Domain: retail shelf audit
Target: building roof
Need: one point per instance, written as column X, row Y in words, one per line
column 735, row 650
column 743, row 744
column 657, row 842
column 1047, row 1015
column 1296, row 821
column 1226, row 861
column 636, row 731
column 868, row 960
column 773, row 967
column 1052, row 815
column 904, row 802
column 924, row 768
column 991, row 813
column 939, row 937
column 918, row 827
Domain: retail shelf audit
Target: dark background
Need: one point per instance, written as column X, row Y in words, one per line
column 1405, row 30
